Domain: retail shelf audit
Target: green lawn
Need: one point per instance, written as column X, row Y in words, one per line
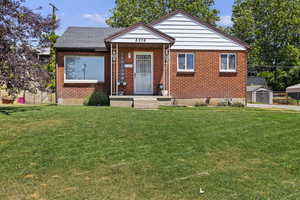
column 77, row 152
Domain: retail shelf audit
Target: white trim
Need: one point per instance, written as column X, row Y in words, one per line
column 220, row 63
column 169, row 65
column 117, row 68
column 134, row 70
column 185, row 70
column 111, row 68
column 83, row 81
column 138, row 34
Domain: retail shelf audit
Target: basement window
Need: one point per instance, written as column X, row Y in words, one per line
column 185, row 62
column 227, row 63
column 84, row 69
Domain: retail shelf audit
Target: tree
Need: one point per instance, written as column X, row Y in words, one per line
column 271, row 27
column 128, row 12
column 21, row 30
column 280, row 79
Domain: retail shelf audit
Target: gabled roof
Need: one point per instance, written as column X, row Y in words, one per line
column 293, row 88
column 253, row 80
column 96, row 38
column 235, row 39
column 256, row 87
column 85, row 37
column 140, row 24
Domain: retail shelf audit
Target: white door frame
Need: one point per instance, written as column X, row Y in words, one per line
column 134, row 70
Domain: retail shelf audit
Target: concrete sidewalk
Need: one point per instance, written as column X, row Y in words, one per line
column 297, row 108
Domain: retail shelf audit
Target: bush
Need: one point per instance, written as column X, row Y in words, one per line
column 97, row 99
column 237, row 104
column 223, row 103
column 228, row 103
column 199, row 104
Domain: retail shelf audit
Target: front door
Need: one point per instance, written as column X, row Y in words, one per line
column 143, row 73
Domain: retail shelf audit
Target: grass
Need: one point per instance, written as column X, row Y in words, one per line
column 77, row 152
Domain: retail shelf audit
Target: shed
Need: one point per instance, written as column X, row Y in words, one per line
column 259, row 94
column 294, row 91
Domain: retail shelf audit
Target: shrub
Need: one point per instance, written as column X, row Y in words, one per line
column 199, row 104
column 228, row 103
column 237, row 104
column 223, row 103
column 97, row 99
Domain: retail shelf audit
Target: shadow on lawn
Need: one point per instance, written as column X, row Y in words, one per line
column 8, row 110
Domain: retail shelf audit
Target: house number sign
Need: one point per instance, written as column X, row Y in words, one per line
column 140, row 40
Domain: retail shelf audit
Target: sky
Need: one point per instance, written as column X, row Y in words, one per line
column 94, row 12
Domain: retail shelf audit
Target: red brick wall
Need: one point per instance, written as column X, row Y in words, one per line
column 80, row 90
column 207, row 81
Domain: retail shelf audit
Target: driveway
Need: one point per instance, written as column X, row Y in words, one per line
column 297, row 108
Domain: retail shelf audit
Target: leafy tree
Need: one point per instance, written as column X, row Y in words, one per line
column 280, row 79
column 271, row 27
column 20, row 31
column 128, row 12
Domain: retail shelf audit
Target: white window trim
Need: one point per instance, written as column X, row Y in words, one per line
column 83, row 81
column 220, row 61
column 185, row 70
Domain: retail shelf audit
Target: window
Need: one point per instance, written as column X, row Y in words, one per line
column 228, row 63
column 185, row 62
column 84, row 69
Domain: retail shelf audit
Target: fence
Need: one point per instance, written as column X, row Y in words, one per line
column 40, row 98
column 284, row 98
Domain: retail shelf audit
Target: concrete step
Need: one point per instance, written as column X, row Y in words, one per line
column 145, row 104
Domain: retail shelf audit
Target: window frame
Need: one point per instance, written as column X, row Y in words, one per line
column 186, row 69
column 83, row 81
column 227, row 66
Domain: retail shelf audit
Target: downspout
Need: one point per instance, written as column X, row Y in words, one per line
column 117, row 66
column 164, row 67
column 111, row 68
column 169, row 63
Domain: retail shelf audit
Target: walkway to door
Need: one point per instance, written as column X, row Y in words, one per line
column 272, row 106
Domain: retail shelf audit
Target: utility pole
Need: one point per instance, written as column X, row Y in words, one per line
column 52, row 60
column 54, row 9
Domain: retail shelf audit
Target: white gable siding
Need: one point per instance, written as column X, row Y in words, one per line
column 190, row 34
column 142, row 33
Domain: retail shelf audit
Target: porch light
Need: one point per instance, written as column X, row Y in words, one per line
column 129, row 55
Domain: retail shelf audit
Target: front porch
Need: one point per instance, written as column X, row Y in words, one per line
column 140, row 62
column 140, row 101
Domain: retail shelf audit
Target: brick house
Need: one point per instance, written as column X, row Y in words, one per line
column 177, row 57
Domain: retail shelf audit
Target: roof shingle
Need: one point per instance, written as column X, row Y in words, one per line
column 85, row 37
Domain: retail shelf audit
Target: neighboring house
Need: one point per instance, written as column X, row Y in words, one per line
column 178, row 57
column 294, row 91
column 44, row 55
column 259, row 94
column 256, row 81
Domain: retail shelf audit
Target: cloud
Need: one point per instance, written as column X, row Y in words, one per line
column 225, row 21
column 95, row 18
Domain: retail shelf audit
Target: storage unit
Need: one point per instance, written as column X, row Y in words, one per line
column 259, row 94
